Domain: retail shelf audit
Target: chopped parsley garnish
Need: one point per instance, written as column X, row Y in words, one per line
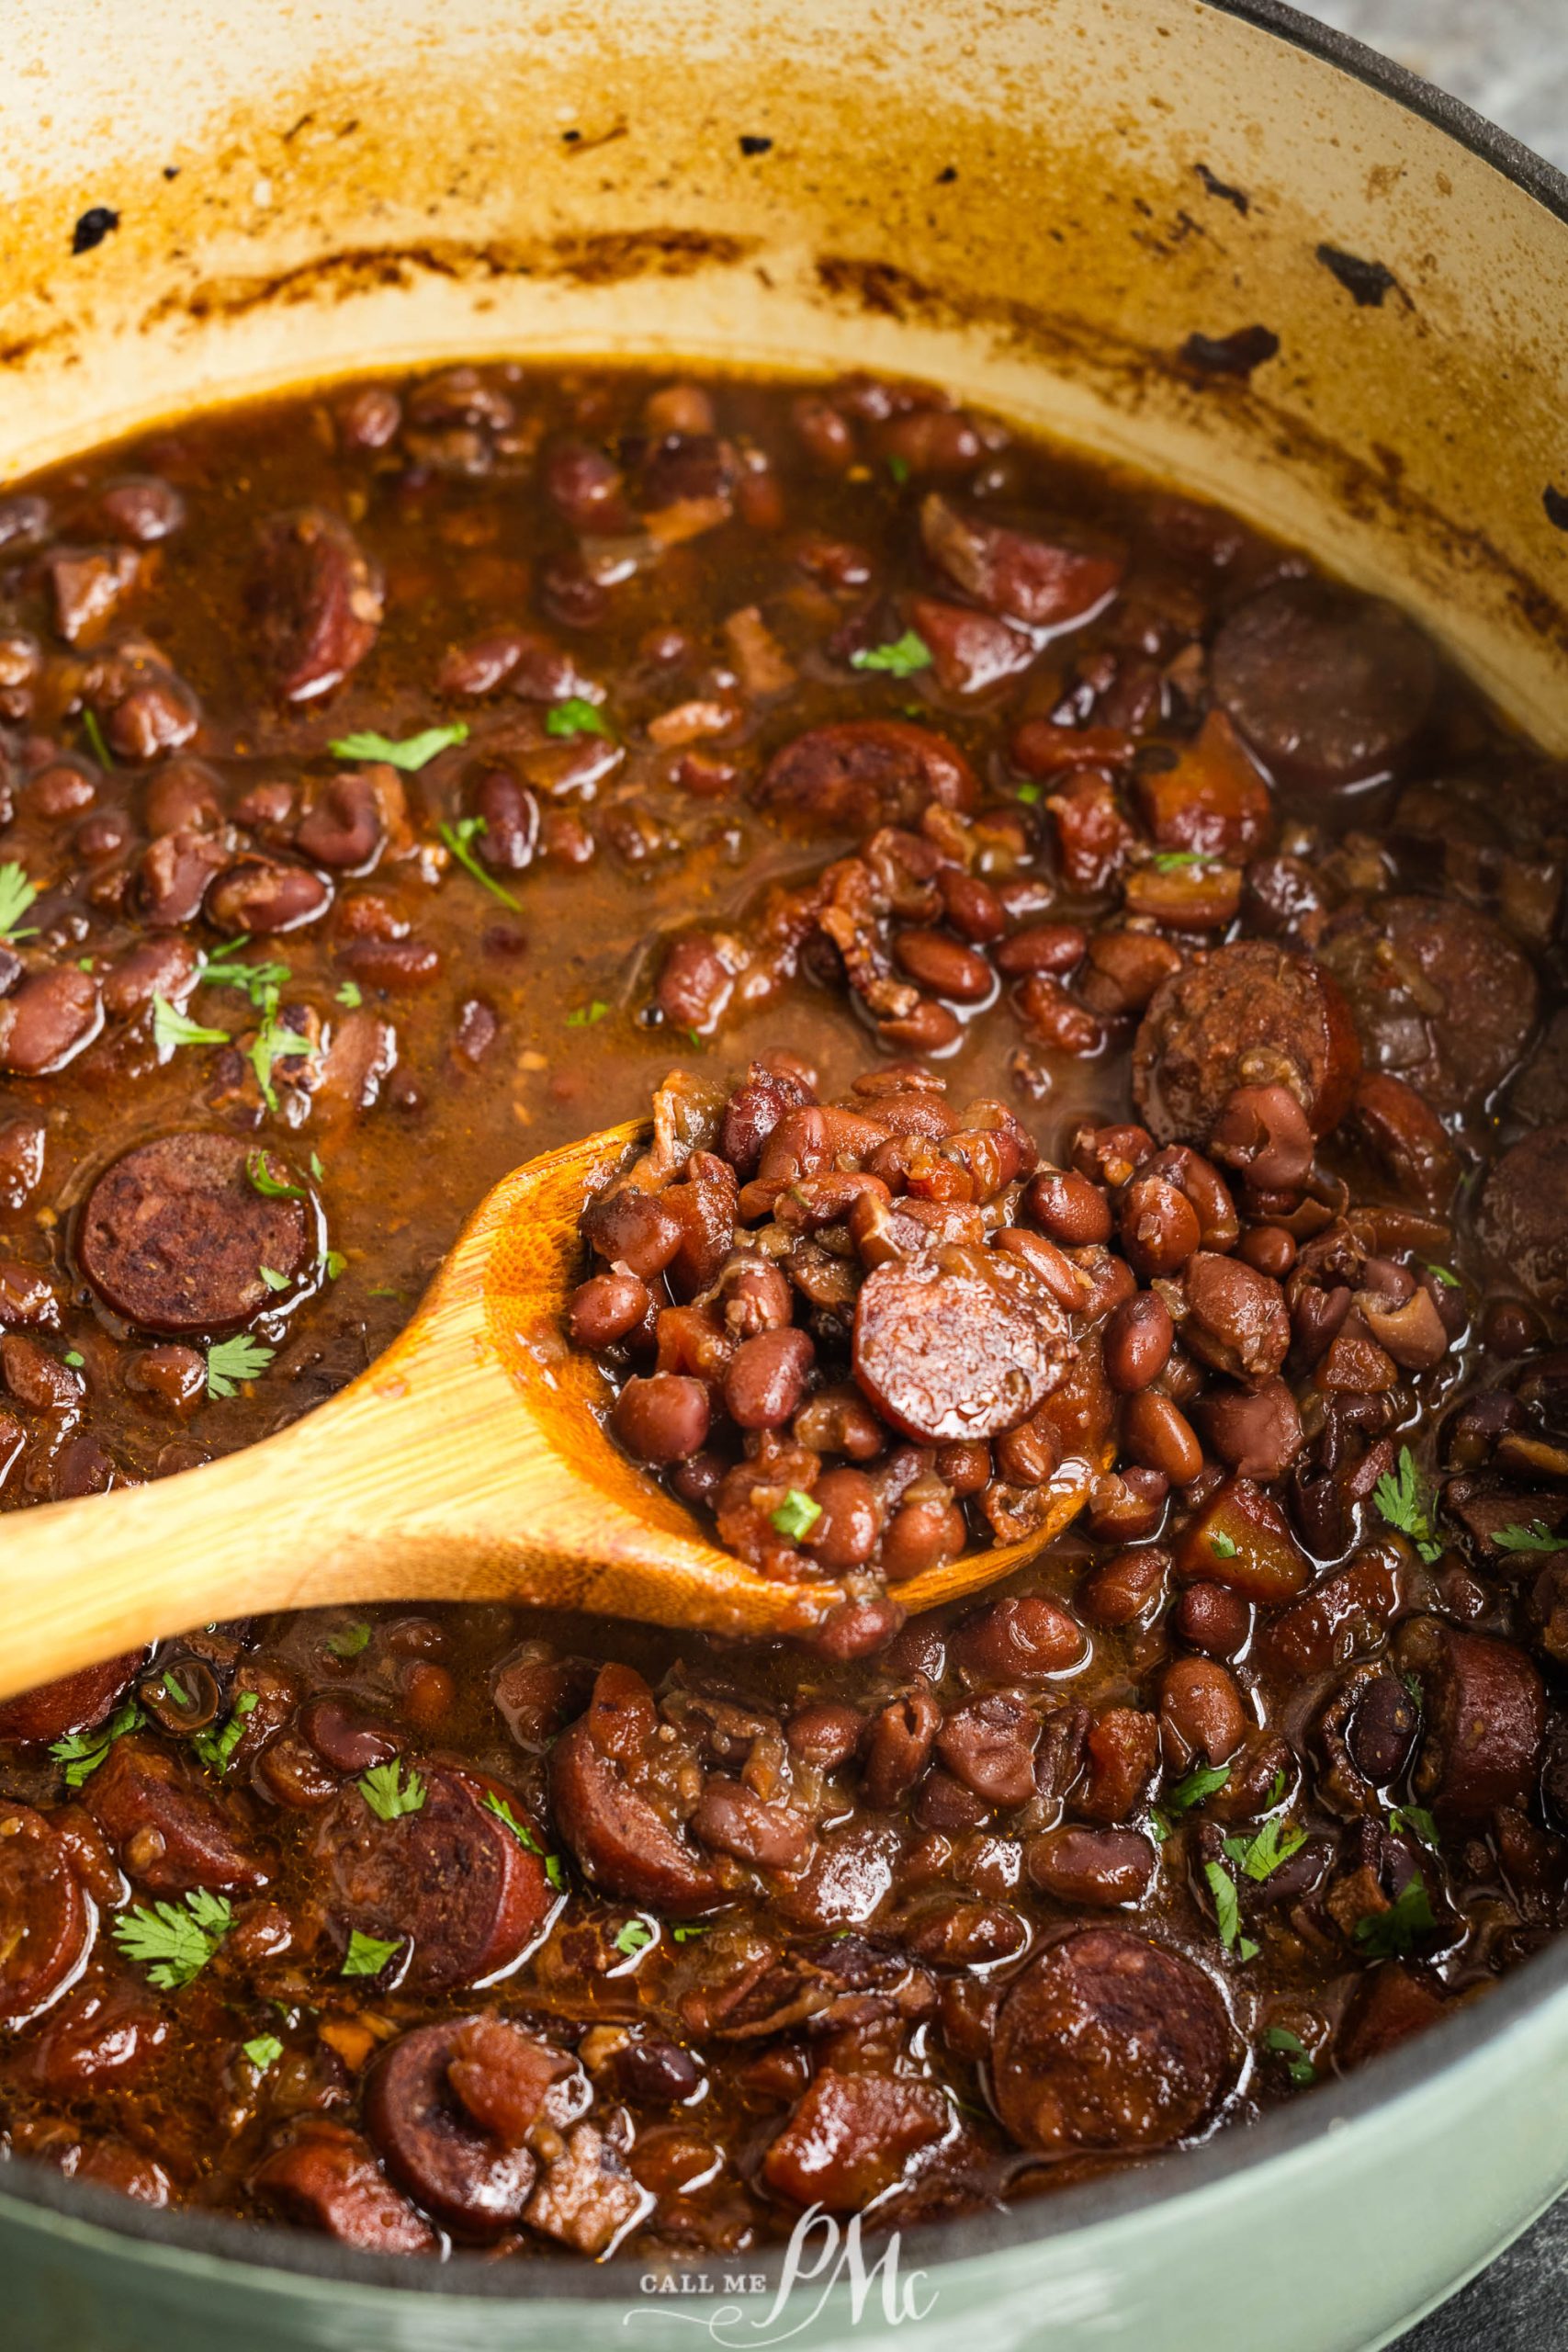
column 350, row 1640
column 367, row 1955
column 171, row 1028
column 635, row 1937
column 17, row 895
column 1293, row 2051
column 272, row 1278
column 1197, row 1786
column 259, row 1176
column 229, row 1362
column 1536, row 1537
column 1417, row 1819
column 1177, row 861
column 218, row 970
column 577, row 716
column 1227, row 1911
column 1223, row 1545
column 176, row 1688
column 317, row 1171
column 388, row 1795
column 1401, row 1497
column 82, row 1752
column 1259, row 1857
column 275, row 1040
column 457, row 838
column 215, row 1748
column 692, row 1929
column 1383, row 1934
column 263, row 2052
column 76, row 1358
column 1029, row 793
column 584, row 1016
column 520, row 1830
column 901, row 658
column 413, row 752
column 796, row 1515
column 93, row 730
column 352, row 995
column 898, row 468
column 555, row 1873
column 334, row 1264
column 1445, row 1274
column 174, row 1941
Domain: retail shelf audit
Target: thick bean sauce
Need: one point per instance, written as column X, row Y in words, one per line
column 1101, row 986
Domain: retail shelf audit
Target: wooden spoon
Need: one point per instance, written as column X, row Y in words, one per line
column 468, row 1463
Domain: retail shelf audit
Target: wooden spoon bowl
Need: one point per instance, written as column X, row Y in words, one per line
column 468, row 1463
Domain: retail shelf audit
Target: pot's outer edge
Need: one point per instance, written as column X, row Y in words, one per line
column 298, row 240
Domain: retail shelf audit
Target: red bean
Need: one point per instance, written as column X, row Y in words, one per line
column 943, row 965
column 634, row 1230
column 267, row 894
column 1200, row 1713
column 1068, row 1208
column 766, row 1383
column 605, row 1307
column 826, row 1735
column 1126, row 1587
column 920, row 1536
column 1271, row 1249
column 1157, row 1434
column 1139, row 1336
column 1264, row 1131
column 1028, row 1454
column 971, row 906
column 663, row 1418
column 845, row 1536
column 1212, row 1619
column 1159, row 1227
column 1057, row 947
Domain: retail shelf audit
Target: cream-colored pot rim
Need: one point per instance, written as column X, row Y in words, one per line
column 1038, row 200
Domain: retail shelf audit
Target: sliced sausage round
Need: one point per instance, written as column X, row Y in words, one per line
column 958, row 1343
column 174, row 1234
column 74, row 1703
column 1441, row 996
column 48, row 1920
column 326, row 2176
column 1483, row 1720
column 471, row 2180
column 1523, row 1217
column 1253, row 1013
column 169, row 1834
column 451, row 1877
column 1107, row 2040
column 1328, row 687
column 860, row 773
column 603, row 1796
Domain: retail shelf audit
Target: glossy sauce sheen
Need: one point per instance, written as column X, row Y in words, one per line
column 893, row 763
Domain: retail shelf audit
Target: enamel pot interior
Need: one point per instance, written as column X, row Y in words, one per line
column 1040, row 202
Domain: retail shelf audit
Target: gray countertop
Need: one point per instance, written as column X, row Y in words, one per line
column 1508, row 59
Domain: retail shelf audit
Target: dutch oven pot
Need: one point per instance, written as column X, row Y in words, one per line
column 1209, row 240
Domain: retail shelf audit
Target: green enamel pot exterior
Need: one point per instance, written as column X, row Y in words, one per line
column 1004, row 194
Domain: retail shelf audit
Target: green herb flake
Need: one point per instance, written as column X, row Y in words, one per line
column 1179, row 861
column 334, row 1264
column 174, row 1941
column 689, row 1931
column 795, row 1516
column 17, row 895
column 367, row 1955
column 577, row 716
column 1382, row 1935
column 176, row 1688
column 555, row 1873
column 349, row 1641
column 261, row 1178
column 230, row 1362
column 586, row 1016
column 1196, row 1787
column 898, row 468
column 317, row 1171
column 1401, row 1497
column 352, row 995
column 1259, row 1857
column 1227, row 1909
column 171, row 1029
column 219, row 970
column 458, row 838
column 215, row 1748
column 263, row 2052
column 520, row 1830
column 412, row 752
column 92, row 727
column 1536, row 1537
column 1445, row 1274
column 1415, row 1818
column 1292, row 2048
column 635, row 1937
column 1159, row 1827
column 1029, row 793
column 901, row 658
column 76, row 1358
column 275, row 1040
column 1221, row 1546
column 388, row 1795
column 272, row 1278
column 82, row 1752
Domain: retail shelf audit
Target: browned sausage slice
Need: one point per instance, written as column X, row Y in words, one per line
column 451, row 1877
column 1047, row 582
column 474, row 2182
column 1328, row 687
column 1483, row 1720
column 860, row 773
column 319, row 601
column 1523, row 1221
column 1251, row 1014
column 325, row 2176
column 1441, row 996
column 74, row 1703
column 46, row 1924
column 604, row 1798
column 854, row 2135
column 174, row 1234
column 168, row 1833
column 1107, row 2040
column 959, row 1343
